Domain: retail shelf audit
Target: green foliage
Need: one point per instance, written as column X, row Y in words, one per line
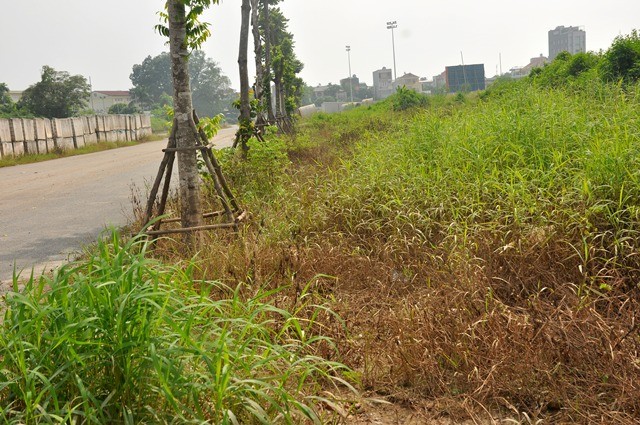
column 261, row 173
column 567, row 69
column 581, row 63
column 197, row 32
column 162, row 115
column 57, row 95
column 285, row 63
column 123, row 108
column 211, row 125
column 8, row 109
column 120, row 338
column 211, row 89
column 405, row 98
column 5, row 99
column 622, row 60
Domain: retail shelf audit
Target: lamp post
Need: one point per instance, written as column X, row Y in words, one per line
column 391, row 26
column 350, row 79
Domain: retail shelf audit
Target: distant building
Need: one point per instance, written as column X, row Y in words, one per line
column 355, row 81
column 15, row 95
column 465, row 78
column 382, row 83
column 567, row 39
column 101, row 101
column 409, row 81
column 523, row 71
column 319, row 91
column 440, row 83
column 537, row 62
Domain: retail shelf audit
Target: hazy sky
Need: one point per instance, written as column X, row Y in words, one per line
column 104, row 39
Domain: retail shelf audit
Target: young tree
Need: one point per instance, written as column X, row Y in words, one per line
column 56, row 95
column 185, row 32
column 258, row 53
column 245, row 128
column 285, row 66
column 267, row 58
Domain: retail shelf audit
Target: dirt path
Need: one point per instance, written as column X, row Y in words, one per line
column 49, row 210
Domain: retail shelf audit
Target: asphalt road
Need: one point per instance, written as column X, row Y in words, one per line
column 49, row 210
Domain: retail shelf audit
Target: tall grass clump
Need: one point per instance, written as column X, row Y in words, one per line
column 120, row 338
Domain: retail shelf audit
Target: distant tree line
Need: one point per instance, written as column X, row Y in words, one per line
column 619, row 64
column 57, row 95
column 211, row 89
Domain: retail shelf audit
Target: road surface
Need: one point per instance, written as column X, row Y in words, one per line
column 49, row 210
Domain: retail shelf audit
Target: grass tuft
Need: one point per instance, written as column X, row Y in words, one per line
column 120, row 338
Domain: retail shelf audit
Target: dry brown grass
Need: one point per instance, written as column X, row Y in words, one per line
column 497, row 333
column 505, row 327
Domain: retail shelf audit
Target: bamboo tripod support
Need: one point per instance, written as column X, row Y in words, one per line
column 231, row 212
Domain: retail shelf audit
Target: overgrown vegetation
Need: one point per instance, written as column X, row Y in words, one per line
column 120, row 338
column 619, row 64
column 484, row 251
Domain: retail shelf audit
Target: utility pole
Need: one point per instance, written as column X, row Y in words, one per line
column 350, row 78
column 391, row 26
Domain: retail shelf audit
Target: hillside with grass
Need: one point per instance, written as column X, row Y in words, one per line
column 470, row 257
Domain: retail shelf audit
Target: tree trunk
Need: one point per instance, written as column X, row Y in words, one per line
column 278, row 87
column 244, row 131
column 190, row 208
column 267, row 61
column 257, row 50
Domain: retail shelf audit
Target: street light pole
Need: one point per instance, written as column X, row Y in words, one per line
column 391, row 26
column 350, row 79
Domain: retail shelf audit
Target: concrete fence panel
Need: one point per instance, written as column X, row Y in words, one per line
column 50, row 139
column 145, row 129
column 131, row 127
column 119, row 128
column 29, row 131
column 90, row 136
column 79, row 131
column 40, row 135
column 137, row 125
column 111, row 128
column 63, row 132
column 17, row 136
column 6, row 147
column 101, row 131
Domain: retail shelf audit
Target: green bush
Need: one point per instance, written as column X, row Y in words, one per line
column 123, row 108
column 622, row 60
column 405, row 98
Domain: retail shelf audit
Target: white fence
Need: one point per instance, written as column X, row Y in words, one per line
column 29, row 136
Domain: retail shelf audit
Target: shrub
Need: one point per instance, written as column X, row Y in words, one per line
column 622, row 60
column 123, row 108
column 405, row 98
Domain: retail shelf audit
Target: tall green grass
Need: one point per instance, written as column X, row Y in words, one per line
column 515, row 160
column 120, row 338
